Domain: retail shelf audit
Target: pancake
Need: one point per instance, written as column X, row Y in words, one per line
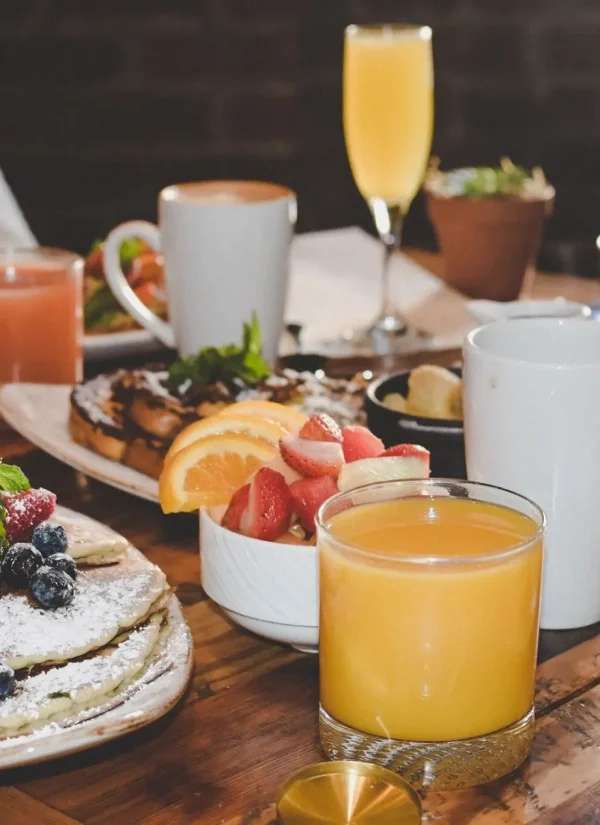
column 108, row 601
column 90, row 543
column 66, row 690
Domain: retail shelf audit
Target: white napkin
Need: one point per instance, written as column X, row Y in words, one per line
column 14, row 229
column 336, row 283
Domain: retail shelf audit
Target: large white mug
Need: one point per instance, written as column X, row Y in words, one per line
column 226, row 251
column 532, row 425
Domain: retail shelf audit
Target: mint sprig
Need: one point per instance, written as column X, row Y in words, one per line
column 214, row 364
column 13, row 479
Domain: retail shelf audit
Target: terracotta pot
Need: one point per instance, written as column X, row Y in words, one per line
column 488, row 244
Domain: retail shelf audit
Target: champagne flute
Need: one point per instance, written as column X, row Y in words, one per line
column 388, row 126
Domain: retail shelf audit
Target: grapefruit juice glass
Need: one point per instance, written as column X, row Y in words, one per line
column 428, row 628
column 41, row 316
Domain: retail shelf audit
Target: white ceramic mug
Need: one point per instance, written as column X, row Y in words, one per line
column 532, row 425
column 226, row 251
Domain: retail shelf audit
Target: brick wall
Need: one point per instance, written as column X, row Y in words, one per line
column 103, row 102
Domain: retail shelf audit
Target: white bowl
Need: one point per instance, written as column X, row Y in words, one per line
column 485, row 312
column 266, row 587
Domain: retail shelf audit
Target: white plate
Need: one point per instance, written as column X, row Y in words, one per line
column 40, row 413
column 119, row 344
column 146, row 699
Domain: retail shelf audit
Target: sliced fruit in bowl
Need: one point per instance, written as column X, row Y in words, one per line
column 273, row 468
column 252, row 425
column 210, row 470
column 399, row 462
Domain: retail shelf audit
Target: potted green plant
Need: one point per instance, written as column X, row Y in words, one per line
column 489, row 223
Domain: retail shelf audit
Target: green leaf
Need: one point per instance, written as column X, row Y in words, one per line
column 214, row 364
column 59, row 694
column 98, row 304
column 13, row 479
column 129, row 250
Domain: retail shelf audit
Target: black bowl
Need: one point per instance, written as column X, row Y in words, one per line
column 443, row 438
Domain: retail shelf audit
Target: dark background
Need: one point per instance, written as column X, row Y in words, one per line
column 103, row 102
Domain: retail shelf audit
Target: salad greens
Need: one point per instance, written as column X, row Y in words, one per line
column 128, row 251
column 214, row 364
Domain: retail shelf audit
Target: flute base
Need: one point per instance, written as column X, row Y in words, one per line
column 439, row 766
column 387, row 336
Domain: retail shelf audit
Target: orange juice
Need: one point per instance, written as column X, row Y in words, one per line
column 421, row 638
column 388, row 110
column 41, row 320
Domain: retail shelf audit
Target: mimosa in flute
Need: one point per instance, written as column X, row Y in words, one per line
column 429, row 625
column 388, row 127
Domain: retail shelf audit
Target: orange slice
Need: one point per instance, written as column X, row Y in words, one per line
column 288, row 417
column 208, row 472
column 253, row 425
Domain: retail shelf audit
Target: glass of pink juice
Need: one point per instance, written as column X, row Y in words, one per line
column 41, row 317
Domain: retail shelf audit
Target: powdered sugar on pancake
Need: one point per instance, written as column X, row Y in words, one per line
column 107, row 601
column 89, row 541
column 77, row 684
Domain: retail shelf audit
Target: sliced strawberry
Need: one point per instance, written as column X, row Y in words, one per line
column 359, row 442
column 269, row 506
column 308, row 495
column 26, row 510
column 233, row 515
column 408, row 451
column 312, row 458
column 321, row 427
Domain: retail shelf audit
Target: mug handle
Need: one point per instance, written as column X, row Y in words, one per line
column 118, row 282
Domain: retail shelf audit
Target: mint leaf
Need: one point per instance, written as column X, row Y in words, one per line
column 214, row 364
column 13, row 479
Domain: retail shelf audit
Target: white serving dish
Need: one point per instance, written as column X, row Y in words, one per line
column 486, row 312
column 268, row 588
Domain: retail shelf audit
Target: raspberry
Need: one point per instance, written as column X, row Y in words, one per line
column 24, row 511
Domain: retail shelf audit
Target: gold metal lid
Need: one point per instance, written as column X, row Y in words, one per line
column 347, row 793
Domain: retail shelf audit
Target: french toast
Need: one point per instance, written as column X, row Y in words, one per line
column 132, row 416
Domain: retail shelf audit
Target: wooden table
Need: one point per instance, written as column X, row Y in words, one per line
column 249, row 718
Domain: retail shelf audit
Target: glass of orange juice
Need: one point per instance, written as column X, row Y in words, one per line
column 388, row 128
column 430, row 597
column 41, row 319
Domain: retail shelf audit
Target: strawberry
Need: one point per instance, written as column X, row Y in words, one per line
column 312, row 458
column 308, row 495
column 269, row 506
column 321, row 427
column 408, row 451
column 359, row 442
column 26, row 510
column 233, row 515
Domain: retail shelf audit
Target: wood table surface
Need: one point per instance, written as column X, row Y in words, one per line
column 249, row 718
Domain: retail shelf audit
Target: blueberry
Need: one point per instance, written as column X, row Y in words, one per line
column 7, row 681
column 50, row 538
column 60, row 561
column 19, row 563
column 52, row 588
